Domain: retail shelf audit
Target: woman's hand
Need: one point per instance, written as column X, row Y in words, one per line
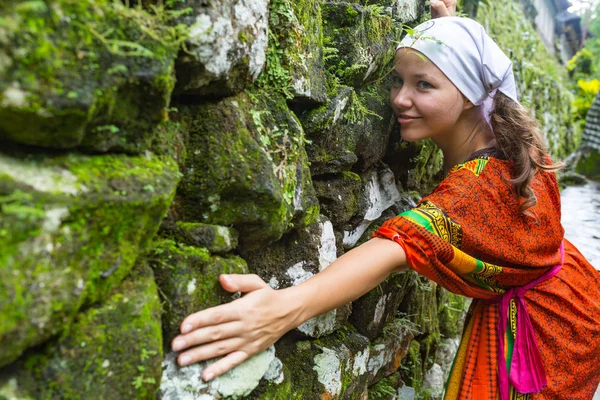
column 236, row 330
column 443, row 8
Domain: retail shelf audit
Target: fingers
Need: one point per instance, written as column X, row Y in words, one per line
column 210, row 316
column 208, row 351
column 439, row 9
column 242, row 282
column 207, row 334
column 224, row 364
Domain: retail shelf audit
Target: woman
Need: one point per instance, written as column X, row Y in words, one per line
column 490, row 230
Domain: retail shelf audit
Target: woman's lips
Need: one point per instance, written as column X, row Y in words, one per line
column 403, row 120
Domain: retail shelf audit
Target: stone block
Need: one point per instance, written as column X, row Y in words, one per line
column 94, row 75
column 295, row 53
column 297, row 257
column 182, row 383
column 350, row 131
column 246, row 166
column 188, row 278
column 71, row 228
column 112, row 351
column 225, row 50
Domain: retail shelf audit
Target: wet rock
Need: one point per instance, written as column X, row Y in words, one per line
column 188, row 278
column 226, row 47
column 349, row 131
column 371, row 312
column 215, row 238
column 182, row 383
column 245, row 166
column 71, row 229
column 112, row 350
column 379, row 194
column 295, row 258
column 417, row 166
column 94, row 75
column 341, row 365
column 295, row 53
column 338, row 196
column 359, row 41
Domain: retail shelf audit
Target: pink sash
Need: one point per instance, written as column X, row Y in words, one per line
column 527, row 373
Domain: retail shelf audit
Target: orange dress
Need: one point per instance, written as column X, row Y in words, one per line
column 469, row 237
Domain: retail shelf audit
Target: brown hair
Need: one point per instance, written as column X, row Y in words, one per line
column 520, row 139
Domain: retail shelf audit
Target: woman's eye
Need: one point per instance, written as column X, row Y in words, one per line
column 424, row 85
column 396, row 81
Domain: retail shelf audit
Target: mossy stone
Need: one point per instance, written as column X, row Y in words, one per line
column 89, row 74
column 111, row 351
column 71, row 228
column 294, row 65
column 245, row 166
column 349, row 132
column 188, row 278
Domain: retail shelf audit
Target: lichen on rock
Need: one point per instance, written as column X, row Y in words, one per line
column 89, row 74
column 71, row 228
column 112, row 351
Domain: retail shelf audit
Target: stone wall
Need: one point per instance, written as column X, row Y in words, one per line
column 148, row 146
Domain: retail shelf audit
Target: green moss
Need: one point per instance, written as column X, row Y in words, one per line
column 294, row 65
column 72, row 236
column 57, row 88
column 540, row 77
column 188, row 278
column 111, row 351
column 245, row 164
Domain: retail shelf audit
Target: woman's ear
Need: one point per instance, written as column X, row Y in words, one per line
column 467, row 104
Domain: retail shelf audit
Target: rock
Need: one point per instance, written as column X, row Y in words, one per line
column 297, row 257
column 341, row 365
column 359, row 41
column 245, row 166
column 371, row 312
column 225, row 50
column 338, row 196
column 452, row 310
column 112, row 350
column 349, row 131
column 71, row 228
column 421, row 306
column 215, row 238
column 417, row 166
column 94, row 75
column 434, row 381
column 295, row 53
column 188, row 278
column 379, row 194
column 183, row 383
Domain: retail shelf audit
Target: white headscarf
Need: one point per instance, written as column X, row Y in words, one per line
column 464, row 52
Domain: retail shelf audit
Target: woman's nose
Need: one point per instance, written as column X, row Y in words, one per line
column 401, row 98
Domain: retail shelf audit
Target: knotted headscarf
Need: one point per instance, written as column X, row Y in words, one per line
column 465, row 53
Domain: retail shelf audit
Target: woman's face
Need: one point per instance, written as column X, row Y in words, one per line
column 426, row 103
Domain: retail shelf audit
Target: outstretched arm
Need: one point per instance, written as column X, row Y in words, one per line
column 249, row 325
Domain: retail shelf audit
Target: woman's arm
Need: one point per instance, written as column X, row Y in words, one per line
column 249, row 325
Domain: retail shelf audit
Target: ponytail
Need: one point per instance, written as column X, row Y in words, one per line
column 520, row 139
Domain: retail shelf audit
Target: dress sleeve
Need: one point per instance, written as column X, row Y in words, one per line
column 431, row 241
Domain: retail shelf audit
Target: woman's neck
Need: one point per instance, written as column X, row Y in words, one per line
column 470, row 136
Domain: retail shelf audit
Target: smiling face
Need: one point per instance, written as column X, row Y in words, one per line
column 426, row 103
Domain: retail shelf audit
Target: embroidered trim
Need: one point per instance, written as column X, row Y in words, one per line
column 435, row 220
